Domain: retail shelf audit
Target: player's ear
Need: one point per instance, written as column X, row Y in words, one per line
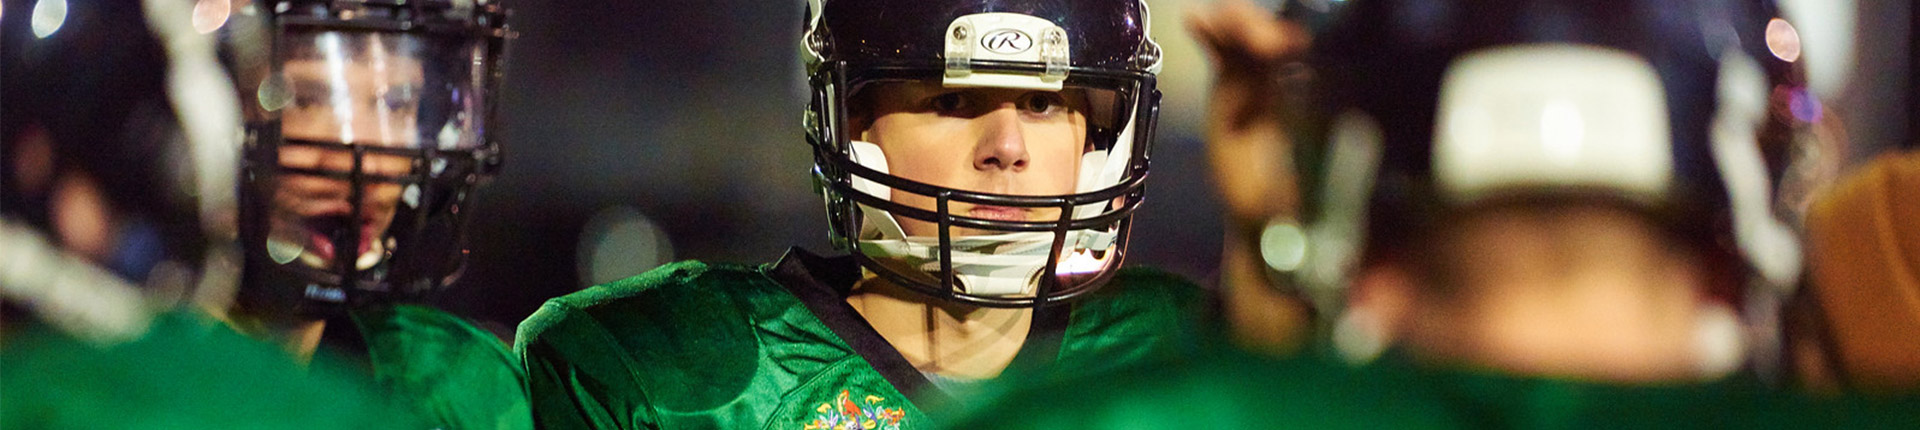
column 860, row 113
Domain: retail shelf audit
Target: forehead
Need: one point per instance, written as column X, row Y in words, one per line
column 897, row 90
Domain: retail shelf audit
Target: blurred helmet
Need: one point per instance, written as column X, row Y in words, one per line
column 366, row 138
column 1432, row 106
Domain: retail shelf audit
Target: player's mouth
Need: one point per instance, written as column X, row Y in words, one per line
column 999, row 213
column 320, row 231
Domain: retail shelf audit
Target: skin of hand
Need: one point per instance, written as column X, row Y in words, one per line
column 1251, row 157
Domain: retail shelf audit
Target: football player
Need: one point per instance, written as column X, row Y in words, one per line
column 117, row 202
column 1541, row 207
column 366, row 140
column 1365, row 228
column 980, row 161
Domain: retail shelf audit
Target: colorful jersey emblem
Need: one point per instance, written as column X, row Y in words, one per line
column 843, row 414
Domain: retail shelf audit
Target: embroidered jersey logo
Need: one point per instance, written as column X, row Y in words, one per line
column 1007, row 41
column 844, row 414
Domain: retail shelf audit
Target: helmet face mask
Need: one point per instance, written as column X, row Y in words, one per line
column 369, row 142
column 1032, row 243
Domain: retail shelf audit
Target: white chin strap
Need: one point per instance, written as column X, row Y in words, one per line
column 1001, row 264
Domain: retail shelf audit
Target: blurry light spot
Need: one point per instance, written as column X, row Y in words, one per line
column 1284, row 246
column 273, row 93
column 283, row 252
column 1783, row 40
column 48, row 15
column 1562, row 131
column 411, row 196
column 619, row 242
column 1804, row 106
column 209, row 15
column 1357, row 338
column 1719, row 341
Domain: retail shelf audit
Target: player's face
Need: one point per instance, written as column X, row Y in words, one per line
column 371, row 100
column 990, row 140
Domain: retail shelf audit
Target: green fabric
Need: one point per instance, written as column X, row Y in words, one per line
column 1233, row 390
column 187, row 372
column 453, row 374
column 695, row 345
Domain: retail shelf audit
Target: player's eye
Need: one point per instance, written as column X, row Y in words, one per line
column 1043, row 103
column 948, row 103
column 399, row 98
column 309, row 95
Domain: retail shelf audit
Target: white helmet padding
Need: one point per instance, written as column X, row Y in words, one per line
column 1552, row 116
column 1000, row 264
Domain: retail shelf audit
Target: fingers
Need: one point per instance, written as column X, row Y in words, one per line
column 1238, row 35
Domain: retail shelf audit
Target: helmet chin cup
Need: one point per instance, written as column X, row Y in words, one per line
column 1004, row 265
column 1000, row 265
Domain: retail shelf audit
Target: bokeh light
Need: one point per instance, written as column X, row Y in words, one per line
column 1283, row 246
column 48, row 16
column 1783, row 40
column 618, row 242
column 209, row 15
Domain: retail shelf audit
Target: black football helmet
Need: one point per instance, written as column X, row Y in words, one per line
column 366, row 138
column 1097, row 49
column 1430, row 107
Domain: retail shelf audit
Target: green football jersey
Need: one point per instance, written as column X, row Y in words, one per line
column 454, row 375
column 187, row 371
column 1309, row 391
column 701, row 346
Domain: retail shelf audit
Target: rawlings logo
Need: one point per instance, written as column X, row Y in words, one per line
column 843, row 414
column 1007, row 41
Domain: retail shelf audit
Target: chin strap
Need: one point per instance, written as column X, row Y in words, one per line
column 1000, row 264
column 997, row 265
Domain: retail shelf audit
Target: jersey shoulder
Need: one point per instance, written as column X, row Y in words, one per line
column 1145, row 297
column 683, row 335
column 453, row 371
column 1141, row 315
column 678, row 296
column 1139, row 285
column 187, row 371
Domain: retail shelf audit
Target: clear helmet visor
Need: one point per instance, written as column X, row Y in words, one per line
column 397, row 90
column 367, row 121
column 999, row 195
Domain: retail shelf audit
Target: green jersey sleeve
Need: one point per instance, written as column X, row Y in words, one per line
column 187, row 372
column 453, row 373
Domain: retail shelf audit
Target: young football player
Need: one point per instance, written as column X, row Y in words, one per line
column 367, row 137
column 117, row 201
column 980, row 161
column 1545, row 203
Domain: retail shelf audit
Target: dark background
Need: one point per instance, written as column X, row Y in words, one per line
column 685, row 115
column 632, row 123
column 639, row 133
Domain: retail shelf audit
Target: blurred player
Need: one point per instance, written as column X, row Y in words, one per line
column 366, row 127
column 1546, row 204
column 114, row 201
column 1711, row 204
